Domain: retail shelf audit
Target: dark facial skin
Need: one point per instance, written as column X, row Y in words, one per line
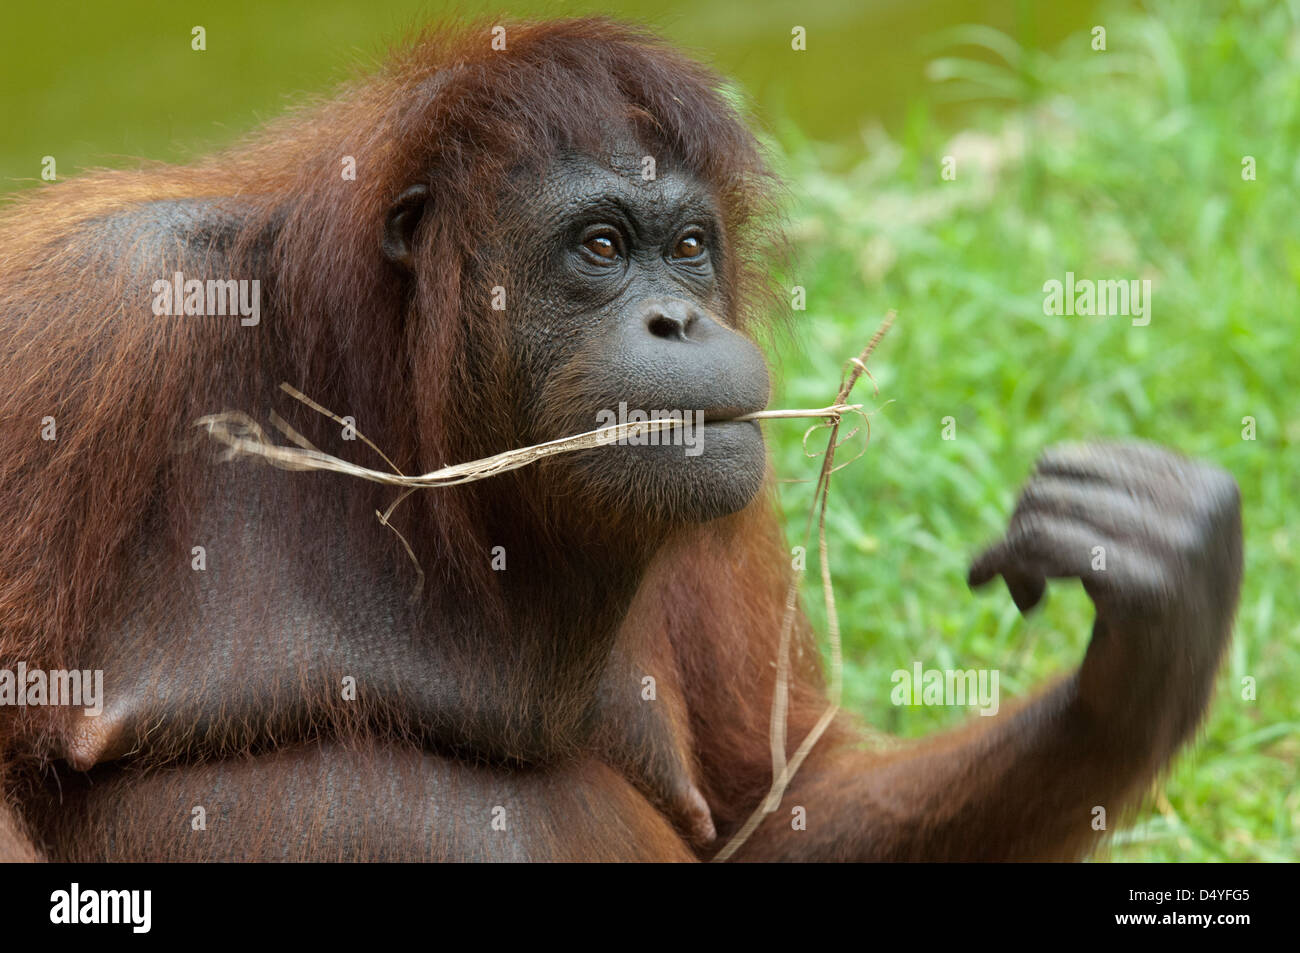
column 621, row 299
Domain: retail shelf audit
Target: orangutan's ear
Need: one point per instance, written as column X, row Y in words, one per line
column 399, row 225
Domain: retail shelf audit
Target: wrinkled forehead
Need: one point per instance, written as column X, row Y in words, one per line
column 624, row 173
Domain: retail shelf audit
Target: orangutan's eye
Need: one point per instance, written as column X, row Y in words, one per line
column 603, row 245
column 690, row 245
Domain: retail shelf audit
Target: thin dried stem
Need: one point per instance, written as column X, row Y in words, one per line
column 783, row 769
column 243, row 437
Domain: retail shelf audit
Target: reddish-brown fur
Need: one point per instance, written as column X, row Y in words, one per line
column 124, row 487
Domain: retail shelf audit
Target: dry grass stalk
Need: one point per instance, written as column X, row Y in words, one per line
column 244, row 437
column 783, row 769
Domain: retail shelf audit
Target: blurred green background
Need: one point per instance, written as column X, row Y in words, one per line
column 1122, row 163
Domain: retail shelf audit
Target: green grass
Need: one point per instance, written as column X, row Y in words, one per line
column 1116, row 164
